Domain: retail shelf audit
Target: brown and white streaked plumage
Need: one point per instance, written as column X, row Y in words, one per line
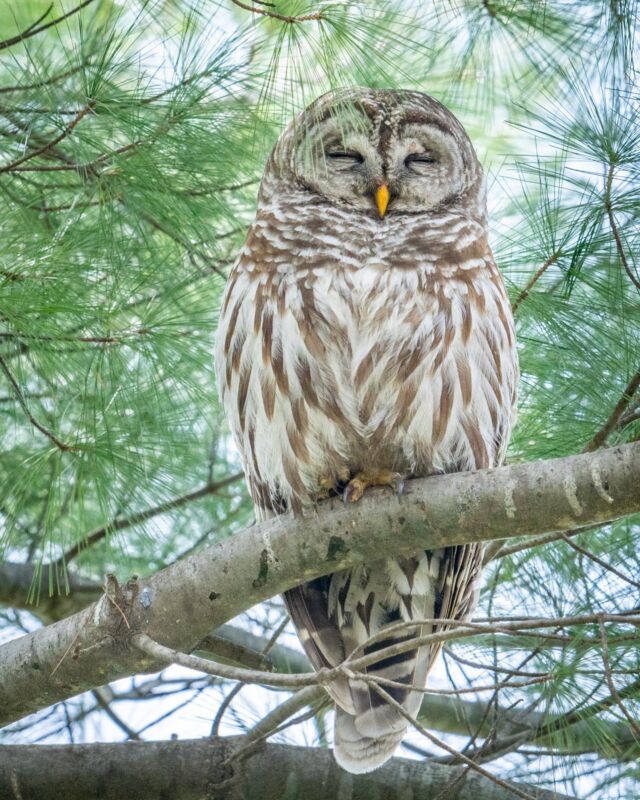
column 365, row 333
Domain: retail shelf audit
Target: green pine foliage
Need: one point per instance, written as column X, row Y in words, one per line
column 133, row 137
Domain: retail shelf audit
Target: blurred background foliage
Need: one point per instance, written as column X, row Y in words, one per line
column 133, row 136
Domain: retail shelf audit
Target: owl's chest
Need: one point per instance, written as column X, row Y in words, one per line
column 372, row 313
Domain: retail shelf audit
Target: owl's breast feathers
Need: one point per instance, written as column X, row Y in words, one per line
column 346, row 343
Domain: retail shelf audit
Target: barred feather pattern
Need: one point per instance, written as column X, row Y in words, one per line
column 349, row 343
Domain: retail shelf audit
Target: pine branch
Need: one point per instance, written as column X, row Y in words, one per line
column 39, row 151
column 522, row 296
column 35, row 28
column 615, row 417
column 120, row 523
column 614, row 228
column 63, row 446
column 179, row 605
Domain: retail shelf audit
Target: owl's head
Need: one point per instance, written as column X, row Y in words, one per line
column 381, row 152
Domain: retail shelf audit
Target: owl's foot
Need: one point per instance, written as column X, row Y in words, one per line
column 377, row 477
column 330, row 484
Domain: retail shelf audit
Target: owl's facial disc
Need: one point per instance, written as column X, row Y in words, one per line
column 384, row 153
column 338, row 159
column 425, row 168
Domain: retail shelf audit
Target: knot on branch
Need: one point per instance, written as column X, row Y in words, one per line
column 114, row 610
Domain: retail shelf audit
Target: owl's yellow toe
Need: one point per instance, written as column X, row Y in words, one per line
column 377, row 477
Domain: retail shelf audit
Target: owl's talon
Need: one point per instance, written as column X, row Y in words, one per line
column 353, row 491
column 359, row 483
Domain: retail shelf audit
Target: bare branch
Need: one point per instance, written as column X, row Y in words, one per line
column 316, row 15
column 195, row 768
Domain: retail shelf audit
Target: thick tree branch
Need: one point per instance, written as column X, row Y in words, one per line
column 180, row 604
column 19, row 582
column 230, row 644
column 192, row 769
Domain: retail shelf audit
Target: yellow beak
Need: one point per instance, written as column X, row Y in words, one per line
column 382, row 198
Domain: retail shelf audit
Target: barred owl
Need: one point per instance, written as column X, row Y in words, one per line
column 365, row 337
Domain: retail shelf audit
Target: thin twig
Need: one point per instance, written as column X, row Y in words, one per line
column 441, row 744
column 597, row 560
column 493, row 552
column 612, row 688
column 629, row 416
column 142, row 516
column 39, row 84
column 614, row 229
column 186, row 244
column 112, row 339
column 224, row 705
column 609, row 426
column 290, row 681
column 317, row 15
column 106, row 707
column 573, row 717
column 25, row 408
column 33, row 30
column 82, row 169
column 88, row 615
column 467, row 629
column 234, row 653
column 272, row 722
column 353, row 665
column 48, row 145
column 532, row 282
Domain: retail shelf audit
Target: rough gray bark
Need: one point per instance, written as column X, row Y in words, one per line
column 194, row 770
column 178, row 605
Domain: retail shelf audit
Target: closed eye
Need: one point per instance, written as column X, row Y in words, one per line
column 346, row 157
column 419, row 159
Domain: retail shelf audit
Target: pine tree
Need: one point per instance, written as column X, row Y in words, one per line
column 133, row 140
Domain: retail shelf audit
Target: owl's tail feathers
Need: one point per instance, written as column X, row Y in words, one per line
column 367, row 738
column 359, row 753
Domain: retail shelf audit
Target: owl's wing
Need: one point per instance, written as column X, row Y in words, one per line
column 320, row 636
